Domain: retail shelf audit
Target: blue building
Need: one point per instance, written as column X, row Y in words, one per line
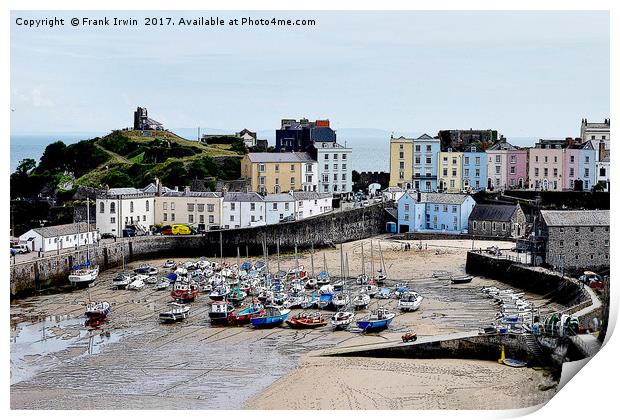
column 474, row 169
column 425, row 154
column 587, row 165
column 434, row 212
column 299, row 136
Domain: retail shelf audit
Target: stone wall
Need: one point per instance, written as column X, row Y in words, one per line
column 554, row 286
column 427, row 236
column 578, row 248
column 319, row 231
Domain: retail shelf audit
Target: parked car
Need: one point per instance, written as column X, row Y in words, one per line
column 21, row 248
column 182, row 230
column 214, row 227
column 108, row 236
column 129, row 233
column 166, row 230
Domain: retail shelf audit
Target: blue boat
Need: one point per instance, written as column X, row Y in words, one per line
column 246, row 266
column 272, row 317
column 376, row 321
column 326, row 299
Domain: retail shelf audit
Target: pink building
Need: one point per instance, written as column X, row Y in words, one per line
column 516, row 168
column 571, row 167
column 545, row 165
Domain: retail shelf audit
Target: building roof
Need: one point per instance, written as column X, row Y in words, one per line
column 207, row 194
column 283, row 197
column 443, row 198
column 493, row 212
column 242, row 197
column 575, row 217
column 310, row 195
column 61, row 230
column 280, row 157
column 322, row 134
column 425, row 137
column 502, row 145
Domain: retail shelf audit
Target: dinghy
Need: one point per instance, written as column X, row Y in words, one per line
column 376, row 321
column 176, row 312
column 409, row 301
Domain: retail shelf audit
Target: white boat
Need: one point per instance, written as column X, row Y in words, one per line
column 340, row 300
column 170, row 264
column 361, row 301
column 342, row 320
column 362, row 279
column 409, row 301
column 151, row 280
column 163, row 284
column 137, row 284
column 176, row 312
column 370, row 289
column 122, row 280
column 311, row 284
column 83, row 275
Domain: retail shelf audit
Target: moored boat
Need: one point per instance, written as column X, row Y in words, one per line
column 96, row 311
column 305, row 320
column 83, row 274
column 185, row 292
column 461, row 279
column 342, row 320
column 376, row 321
column 361, row 300
column 220, row 312
column 245, row 315
column 122, row 280
column 272, row 317
column 176, row 312
column 409, row 301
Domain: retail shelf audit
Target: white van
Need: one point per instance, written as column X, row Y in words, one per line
column 21, row 248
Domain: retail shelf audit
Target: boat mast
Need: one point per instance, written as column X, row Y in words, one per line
column 363, row 265
column 383, row 269
column 341, row 263
column 312, row 259
column 296, row 262
column 278, row 252
column 87, row 232
column 372, row 262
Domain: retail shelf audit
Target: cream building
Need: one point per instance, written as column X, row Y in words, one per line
column 274, row 173
column 199, row 209
column 449, row 174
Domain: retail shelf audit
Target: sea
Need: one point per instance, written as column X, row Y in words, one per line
column 371, row 146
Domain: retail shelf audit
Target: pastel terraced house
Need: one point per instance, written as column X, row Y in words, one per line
column 273, row 173
column 545, row 168
column 413, row 162
column 450, row 171
column 474, row 170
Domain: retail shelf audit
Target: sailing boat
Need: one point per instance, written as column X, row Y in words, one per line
column 84, row 274
column 382, row 272
column 363, row 278
column 323, row 277
column 343, row 317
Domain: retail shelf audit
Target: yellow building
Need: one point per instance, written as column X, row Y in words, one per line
column 449, row 174
column 274, row 173
column 401, row 162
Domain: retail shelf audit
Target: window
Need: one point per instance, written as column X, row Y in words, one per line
column 112, row 219
column 536, row 159
column 535, row 171
column 406, row 207
column 165, row 205
column 452, row 183
column 147, row 205
column 454, row 209
column 477, row 161
column 555, row 172
column 587, row 159
column 292, row 168
column 475, row 224
column 555, row 159
column 112, row 208
column 498, row 158
column 165, row 217
column 601, row 172
column 190, row 207
column 577, row 229
column 406, row 216
column 144, row 218
column 261, row 167
column 417, row 147
column 102, row 207
column 417, row 160
column 190, row 218
column 335, row 156
column 172, row 205
column 503, row 227
column 466, row 172
column 494, row 226
column 344, row 166
column 445, row 209
column 428, row 160
column 253, row 218
column 428, row 148
column 453, row 171
column 326, row 156
column 513, row 170
column 586, row 173
column 546, row 171
column 576, row 243
column 275, row 206
column 232, row 206
column 477, row 172
column 454, row 161
column 572, row 159
column 484, row 225
column 436, row 207
column 285, row 206
column 571, row 172
column 498, row 170
column 131, row 207
column 335, row 166
column 344, row 156
column 327, row 166
column 445, row 171
column 172, row 217
column 211, row 219
column 292, row 180
column 232, row 218
column 252, row 206
column 344, row 177
column 466, row 159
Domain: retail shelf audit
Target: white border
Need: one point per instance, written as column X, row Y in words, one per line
column 591, row 394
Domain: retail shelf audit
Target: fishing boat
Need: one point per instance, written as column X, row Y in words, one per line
column 305, row 320
column 136, row 284
column 146, row 269
column 361, row 300
column 461, row 279
column 326, row 299
column 219, row 293
column 340, row 300
column 409, row 301
column 176, row 312
column 342, row 320
column 378, row 320
column 122, row 280
column 236, row 296
column 272, row 317
column 162, row 285
column 185, row 292
column 311, row 284
column 245, row 315
column 96, row 311
column 400, row 289
column 362, row 279
column 170, row 265
column 220, row 312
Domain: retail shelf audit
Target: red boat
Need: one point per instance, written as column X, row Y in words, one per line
column 185, row 292
column 244, row 316
column 304, row 320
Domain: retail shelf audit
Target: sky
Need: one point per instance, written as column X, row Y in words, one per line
column 523, row 73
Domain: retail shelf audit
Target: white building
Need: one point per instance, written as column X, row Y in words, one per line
column 334, row 168
column 309, row 176
column 597, row 133
column 279, row 207
column 53, row 238
column 118, row 208
column 196, row 208
column 249, row 137
column 241, row 210
column 308, row 204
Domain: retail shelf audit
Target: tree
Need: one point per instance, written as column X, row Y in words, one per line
column 53, row 159
column 25, row 166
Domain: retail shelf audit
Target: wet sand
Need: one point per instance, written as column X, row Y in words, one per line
column 57, row 363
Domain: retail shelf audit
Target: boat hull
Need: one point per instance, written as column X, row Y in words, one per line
column 371, row 326
column 269, row 321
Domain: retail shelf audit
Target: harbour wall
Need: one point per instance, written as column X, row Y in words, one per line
column 320, row 231
column 552, row 285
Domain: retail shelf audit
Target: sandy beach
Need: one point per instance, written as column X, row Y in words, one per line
column 58, row 363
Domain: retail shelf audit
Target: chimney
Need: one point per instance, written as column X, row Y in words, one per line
column 158, row 187
column 602, row 153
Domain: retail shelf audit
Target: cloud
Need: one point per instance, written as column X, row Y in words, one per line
column 33, row 97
